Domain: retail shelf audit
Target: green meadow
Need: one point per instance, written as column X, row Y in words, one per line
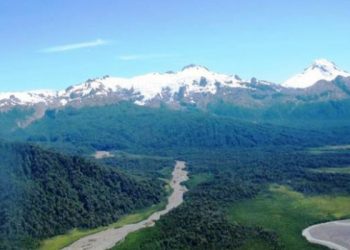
column 287, row 213
column 197, row 179
column 61, row 241
column 340, row 170
column 330, row 149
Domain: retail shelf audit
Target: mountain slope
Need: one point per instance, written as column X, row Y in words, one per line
column 317, row 115
column 45, row 193
column 128, row 126
column 321, row 69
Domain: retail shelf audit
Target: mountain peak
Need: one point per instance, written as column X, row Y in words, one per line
column 321, row 69
column 324, row 65
column 194, row 67
column 323, row 62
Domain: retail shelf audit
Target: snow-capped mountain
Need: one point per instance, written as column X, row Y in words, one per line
column 145, row 88
column 321, row 69
column 193, row 85
column 9, row 99
column 190, row 82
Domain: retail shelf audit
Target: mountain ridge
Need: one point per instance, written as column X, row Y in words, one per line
column 193, row 85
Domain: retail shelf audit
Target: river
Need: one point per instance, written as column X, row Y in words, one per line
column 334, row 234
column 110, row 237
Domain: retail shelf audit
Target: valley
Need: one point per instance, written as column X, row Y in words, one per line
column 108, row 238
column 275, row 171
column 174, row 125
column 246, row 164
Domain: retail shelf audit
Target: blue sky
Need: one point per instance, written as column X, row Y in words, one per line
column 56, row 43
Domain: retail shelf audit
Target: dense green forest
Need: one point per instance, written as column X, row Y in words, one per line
column 141, row 166
column 10, row 119
column 45, row 193
column 129, row 127
column 238, row 176
column 319, row 114
column 231, row 161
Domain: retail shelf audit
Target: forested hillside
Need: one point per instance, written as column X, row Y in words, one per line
column 10, row 119
column 127, row 126
column 318, row 114
column 230, row 161
column 45, row 193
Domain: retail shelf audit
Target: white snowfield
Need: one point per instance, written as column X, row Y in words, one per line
column 153, row 84
column 321, row 69
column 193, row 78
column 190, row 80
column 110, row 237
column 334, row 234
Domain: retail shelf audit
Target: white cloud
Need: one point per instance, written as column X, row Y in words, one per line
column 140, row 57
column 75, row 46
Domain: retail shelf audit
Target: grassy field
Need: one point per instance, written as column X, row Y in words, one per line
column 198, row 179
column 60, row 241
column 341, row 170
column 123, row 154
column 286, row 212
column 256, row 244
column 330, row 149
column 133, row 239
column 166, row 172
